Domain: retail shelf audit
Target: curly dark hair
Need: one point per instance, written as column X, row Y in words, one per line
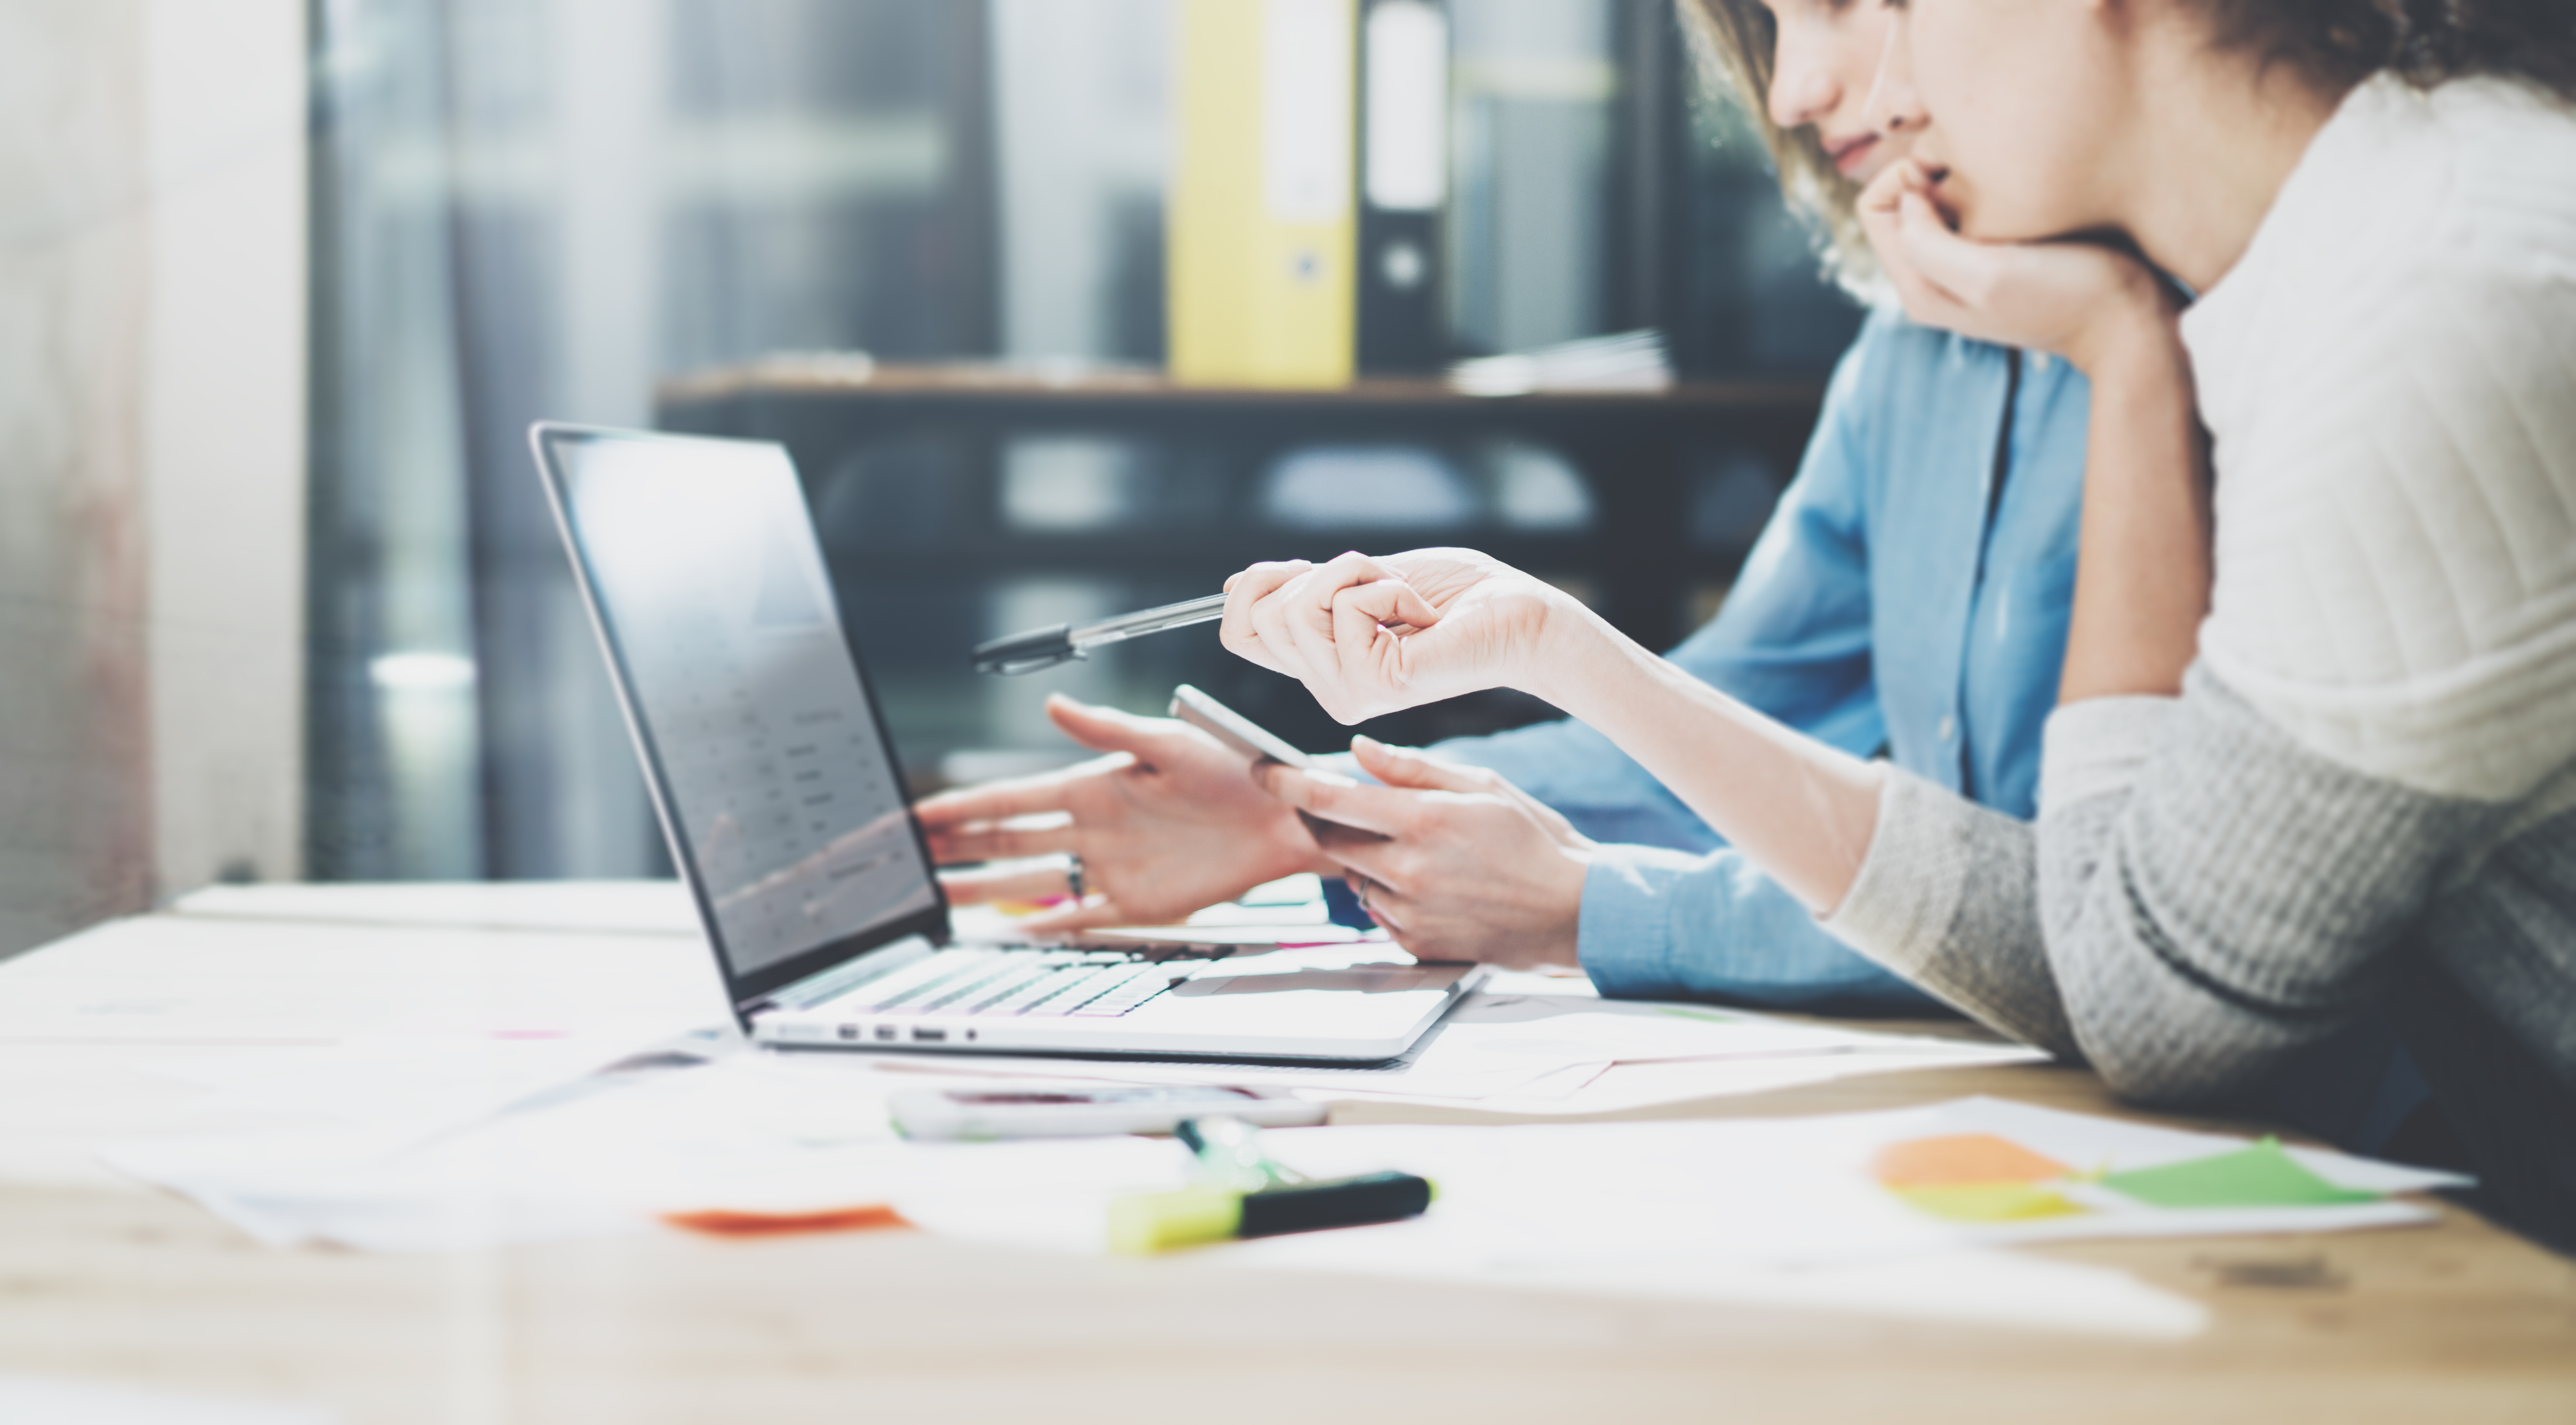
column 2333, row 44
column 2336, row 44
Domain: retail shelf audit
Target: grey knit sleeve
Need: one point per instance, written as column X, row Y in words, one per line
column 2200, row 897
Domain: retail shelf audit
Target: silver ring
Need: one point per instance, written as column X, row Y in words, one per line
column 1361, row 892
column 1073, row 881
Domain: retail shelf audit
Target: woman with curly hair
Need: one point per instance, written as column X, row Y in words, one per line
column 2315, row 756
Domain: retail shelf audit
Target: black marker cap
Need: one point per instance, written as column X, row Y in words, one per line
column 1341, row 1202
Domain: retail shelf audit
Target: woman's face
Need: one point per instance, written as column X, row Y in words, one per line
column 2015, row 103
column 1828, row 54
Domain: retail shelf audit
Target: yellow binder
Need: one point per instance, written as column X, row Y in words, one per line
column 1262, row 232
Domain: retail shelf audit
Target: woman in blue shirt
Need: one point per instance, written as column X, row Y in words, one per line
column 1910, row 593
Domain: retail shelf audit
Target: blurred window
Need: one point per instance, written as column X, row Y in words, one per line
column 531, row 209
column 1068, row 484
column 1367, row 487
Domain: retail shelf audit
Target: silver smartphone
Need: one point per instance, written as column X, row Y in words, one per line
column 1234, row 729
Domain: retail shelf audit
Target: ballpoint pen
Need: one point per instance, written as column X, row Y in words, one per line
column 1046, row 647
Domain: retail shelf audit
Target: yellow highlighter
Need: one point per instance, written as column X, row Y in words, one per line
column 1245, row 1194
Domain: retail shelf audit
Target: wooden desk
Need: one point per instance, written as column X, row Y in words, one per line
column 101, row 1279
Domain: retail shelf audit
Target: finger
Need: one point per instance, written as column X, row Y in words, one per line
column 1958, row 268
column 1408, row 767
column 1108, row 729
column 1094, row 912
column 1559, row 829
column 1005, row 883
column 1370, row 664
column 1304, row 620
column 1341, row 572
column 1003, row 841
column 1018, row 796
column 1383, row 902
column 1371, row 857
column 1266, row 618
column 1355, row 570
column 1878, row 200
column 1332, row 797
column 1243, row 593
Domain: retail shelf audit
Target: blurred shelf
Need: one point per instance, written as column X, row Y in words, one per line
column 909, row 471
column 982, row 387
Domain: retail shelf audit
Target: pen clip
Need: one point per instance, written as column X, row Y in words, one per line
column 1027, row 652
column 1230, row 1155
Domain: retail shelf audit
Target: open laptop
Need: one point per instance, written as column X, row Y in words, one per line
column 778, row 789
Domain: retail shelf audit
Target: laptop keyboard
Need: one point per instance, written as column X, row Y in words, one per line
column 1089, row 983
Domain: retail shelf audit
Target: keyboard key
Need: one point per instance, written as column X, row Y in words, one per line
column 1086, row 989
column 1135, row 991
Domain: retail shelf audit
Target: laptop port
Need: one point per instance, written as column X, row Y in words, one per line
column 927, row 1035
column 849, row 1031
column 888, row 1031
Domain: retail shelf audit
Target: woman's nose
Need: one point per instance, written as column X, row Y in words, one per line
column 1802, row 92
column 1894, row 107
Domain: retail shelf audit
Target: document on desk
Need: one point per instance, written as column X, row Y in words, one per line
column 1828, row 1212
column 744, row 1132
column 417, row 1085
column 204, row 980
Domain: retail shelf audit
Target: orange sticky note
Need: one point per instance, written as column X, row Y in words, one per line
column 1960, row 1159
column 723, row 1223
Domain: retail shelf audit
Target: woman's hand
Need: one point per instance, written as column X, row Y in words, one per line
column 2143, row 570
column 2088, row 303
column 1456, row 862
column 1169, row 821
column 1372, row 636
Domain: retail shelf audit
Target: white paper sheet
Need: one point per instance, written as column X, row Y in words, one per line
column 421, row 1084
column 1772, row 1193
column 604, row 907
column 185, row 980
column 1766, row 1211
column 606, row 1161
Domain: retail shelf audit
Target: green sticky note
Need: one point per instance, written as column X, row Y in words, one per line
column 2260, row 1176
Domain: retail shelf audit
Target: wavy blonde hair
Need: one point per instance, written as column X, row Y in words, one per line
column 1736, row 42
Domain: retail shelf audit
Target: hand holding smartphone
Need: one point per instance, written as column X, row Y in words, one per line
column 1234, row 729
column 1257, row 743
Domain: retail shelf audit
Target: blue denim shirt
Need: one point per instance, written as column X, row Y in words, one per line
column 1898, row 599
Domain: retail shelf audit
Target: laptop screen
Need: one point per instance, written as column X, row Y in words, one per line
column 777, row 781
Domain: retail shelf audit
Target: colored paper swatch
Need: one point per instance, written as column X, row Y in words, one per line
column 2259, row 1176
column 1988, row 1202
column 1960, row 1160
column 725, row 1223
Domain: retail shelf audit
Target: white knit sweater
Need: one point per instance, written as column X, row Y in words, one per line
column 2390, row 375
column 2362, row 799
